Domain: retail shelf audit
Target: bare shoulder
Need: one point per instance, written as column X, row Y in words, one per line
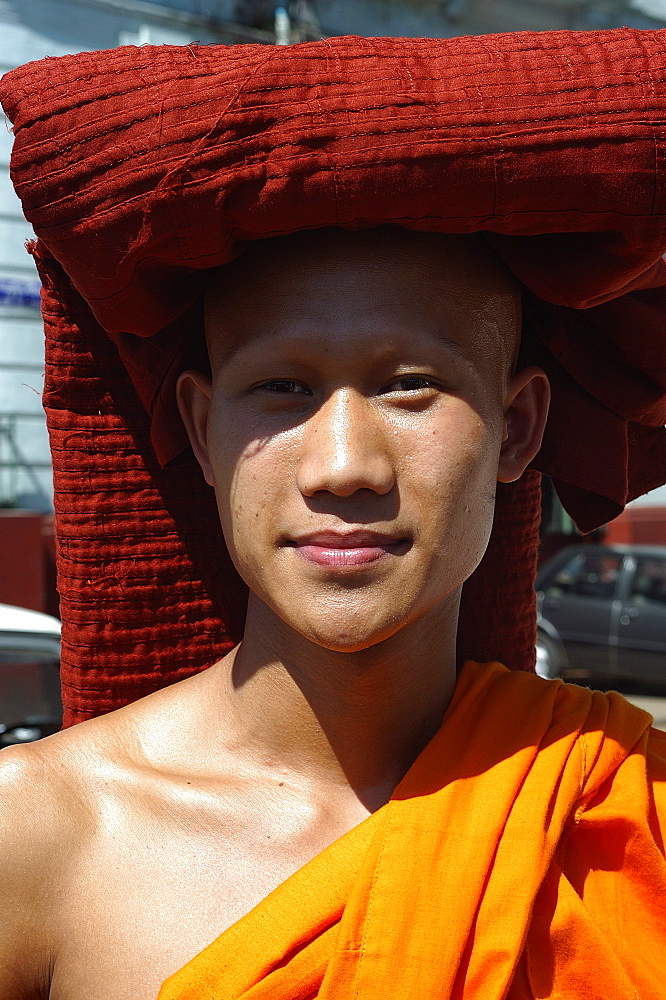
column 40, row 811
column 52, row 794
column 52, row 791
column 55, row 786
column 42, row 790
column 63, row 800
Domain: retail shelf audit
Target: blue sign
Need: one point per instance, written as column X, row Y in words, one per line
column 17, row 292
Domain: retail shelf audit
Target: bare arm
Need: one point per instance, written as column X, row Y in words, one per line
column 31, row 844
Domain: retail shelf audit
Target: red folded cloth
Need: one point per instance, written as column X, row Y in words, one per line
column 140, row 168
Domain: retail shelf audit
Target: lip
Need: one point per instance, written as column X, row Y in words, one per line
column 339, row 550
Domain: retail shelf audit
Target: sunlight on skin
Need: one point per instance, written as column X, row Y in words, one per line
column 362, row 408
column 359, row 383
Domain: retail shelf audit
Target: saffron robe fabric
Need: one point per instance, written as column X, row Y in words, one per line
column 521, row 857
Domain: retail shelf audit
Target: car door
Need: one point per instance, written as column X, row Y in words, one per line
column 578, row 601
column 641, row 645
column 30, row 704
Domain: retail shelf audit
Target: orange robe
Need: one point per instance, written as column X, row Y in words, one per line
column 521, row 857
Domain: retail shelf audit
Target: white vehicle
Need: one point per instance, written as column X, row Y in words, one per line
column 30, row 705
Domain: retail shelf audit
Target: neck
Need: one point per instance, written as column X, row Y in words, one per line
column 348, row 721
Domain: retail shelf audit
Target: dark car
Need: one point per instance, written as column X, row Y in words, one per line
column 602, row 613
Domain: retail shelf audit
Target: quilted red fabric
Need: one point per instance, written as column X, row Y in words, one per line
column 148, row 594
column 140, row 168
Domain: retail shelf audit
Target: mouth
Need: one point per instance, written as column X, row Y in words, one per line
column 337, row 550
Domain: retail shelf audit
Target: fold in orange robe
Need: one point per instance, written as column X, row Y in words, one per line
column 521, row 857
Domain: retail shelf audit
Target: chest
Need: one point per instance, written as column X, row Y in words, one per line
column 147, row 894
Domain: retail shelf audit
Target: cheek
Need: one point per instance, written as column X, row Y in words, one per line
column 251, row 480
column 454, row 475
column 457, row 453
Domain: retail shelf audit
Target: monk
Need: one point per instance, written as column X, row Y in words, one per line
column 335, row 808
column 358, row 417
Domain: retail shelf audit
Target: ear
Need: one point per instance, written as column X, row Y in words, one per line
column 193, row 394
column 525, row 412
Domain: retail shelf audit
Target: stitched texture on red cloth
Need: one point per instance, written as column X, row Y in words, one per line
column 141, row 168
column 148, row 592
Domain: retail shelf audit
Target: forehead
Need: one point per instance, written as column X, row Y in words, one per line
column 332, row 285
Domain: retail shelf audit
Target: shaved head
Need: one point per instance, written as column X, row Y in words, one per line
column 452, row 282
column 361, row 380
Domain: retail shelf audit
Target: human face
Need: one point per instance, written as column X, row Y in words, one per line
column 356, row 423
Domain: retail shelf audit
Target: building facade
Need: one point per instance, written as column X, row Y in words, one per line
column 32, row 29
column 443, row 18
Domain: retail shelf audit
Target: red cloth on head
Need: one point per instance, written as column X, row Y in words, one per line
column 141, row 168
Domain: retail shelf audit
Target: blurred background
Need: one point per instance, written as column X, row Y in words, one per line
column 32, row 29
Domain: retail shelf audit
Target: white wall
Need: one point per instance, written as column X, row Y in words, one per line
column 656, row 498
column 444, row 18
column 32, row 29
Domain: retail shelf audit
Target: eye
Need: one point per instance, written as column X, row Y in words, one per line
column 410, row 383
column 284, row 387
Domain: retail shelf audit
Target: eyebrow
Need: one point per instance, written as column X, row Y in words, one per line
column 448, row 343
column 504, row 354
column 451, row 345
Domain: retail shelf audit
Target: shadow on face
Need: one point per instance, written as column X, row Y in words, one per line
column 361, row 382
column 453, row 286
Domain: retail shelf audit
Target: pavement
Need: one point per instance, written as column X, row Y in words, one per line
column 649, row 699
column 653, row 704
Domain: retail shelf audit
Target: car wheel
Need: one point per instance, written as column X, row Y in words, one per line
column 548, row 659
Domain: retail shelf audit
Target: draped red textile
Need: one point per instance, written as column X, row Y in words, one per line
column 140, row 168
column 148, row 592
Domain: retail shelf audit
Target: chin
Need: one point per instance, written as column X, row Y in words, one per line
column 353, row 639
column 351, row 644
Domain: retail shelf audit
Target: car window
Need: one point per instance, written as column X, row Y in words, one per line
column 29, row 687
column 587, row 575
column 648, row 588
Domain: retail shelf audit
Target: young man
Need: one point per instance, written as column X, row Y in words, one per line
column 333, row 804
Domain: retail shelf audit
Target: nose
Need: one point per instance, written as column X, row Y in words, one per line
column 345, row 448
